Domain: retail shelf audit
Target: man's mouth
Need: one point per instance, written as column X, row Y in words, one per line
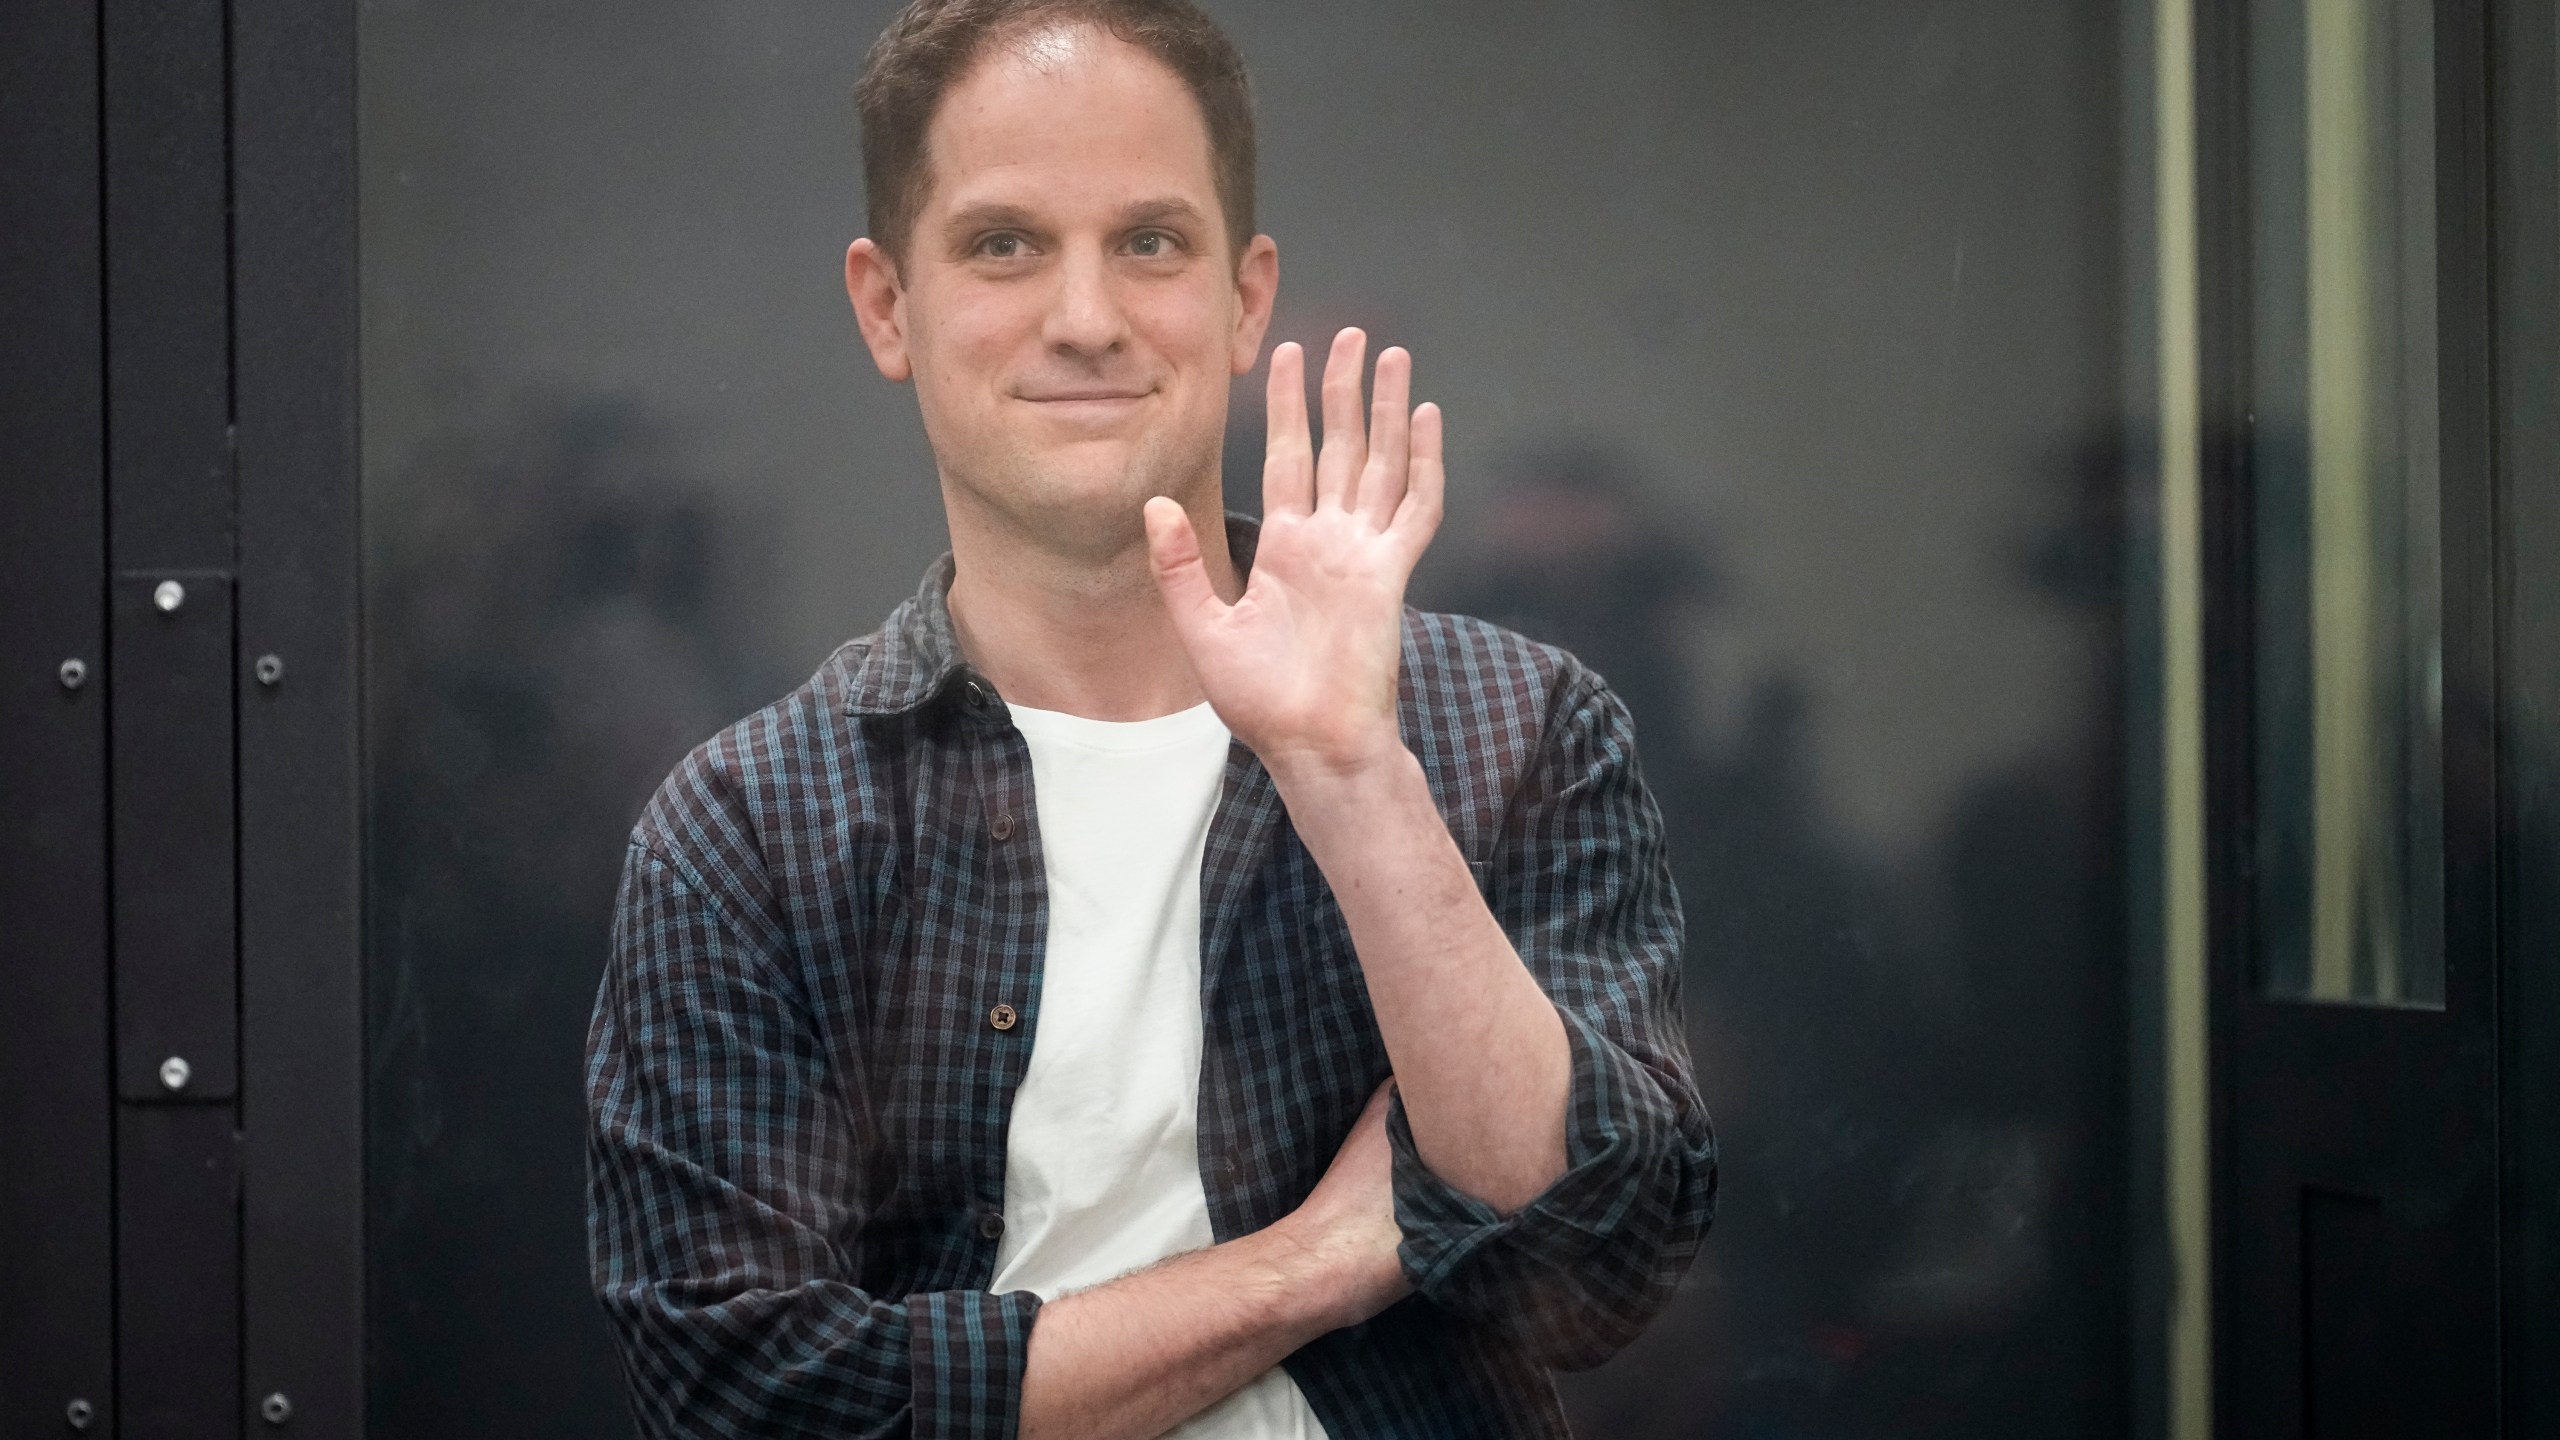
column 1082, row 396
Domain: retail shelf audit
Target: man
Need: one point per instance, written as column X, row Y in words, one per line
column 1156, row 980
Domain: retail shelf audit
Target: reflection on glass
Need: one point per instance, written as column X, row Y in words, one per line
column 2349, row 749
column 1806, row 442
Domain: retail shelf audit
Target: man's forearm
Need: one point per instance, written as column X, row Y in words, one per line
column 1142, row 1354
column 1479, row 1051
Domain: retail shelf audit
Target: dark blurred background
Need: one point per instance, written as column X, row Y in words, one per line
column 1781, row 353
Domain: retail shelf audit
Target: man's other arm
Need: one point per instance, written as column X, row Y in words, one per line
column 724, row 1187
column 1142, row 1354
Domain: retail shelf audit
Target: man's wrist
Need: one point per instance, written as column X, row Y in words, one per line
column 1326, row 1281
column 1324, row 790
column 1302, row 1285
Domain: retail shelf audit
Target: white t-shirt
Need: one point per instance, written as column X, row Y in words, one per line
column 1102, row 1163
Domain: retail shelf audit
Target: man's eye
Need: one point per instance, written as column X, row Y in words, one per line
column 1151, row 244
column 1001, row 247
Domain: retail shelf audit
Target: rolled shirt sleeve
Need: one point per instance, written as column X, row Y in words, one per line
column 1581, row 883
column 722, row 1187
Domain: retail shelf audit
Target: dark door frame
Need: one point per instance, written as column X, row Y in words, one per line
column 2490, row 1064
column 2355, row 1148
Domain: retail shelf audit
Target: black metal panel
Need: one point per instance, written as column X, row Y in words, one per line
column 2525, row 130
column 176, row 972
column 168, row 284
column 2377, row 1367
column 302, row 1018
column 56, row 1200
column 178, row 1272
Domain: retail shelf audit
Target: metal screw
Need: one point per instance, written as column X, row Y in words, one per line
column 175, row 1072
column 270, row 670
column 275, row 1409
column 80, row 1413
column 169, row 596
column 75, row 673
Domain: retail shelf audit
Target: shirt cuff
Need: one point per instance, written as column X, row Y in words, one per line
column 1464, row 1254
column 965, row 1353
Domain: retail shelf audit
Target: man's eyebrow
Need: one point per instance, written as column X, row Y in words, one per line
column 985, row 216
column 1147, row 212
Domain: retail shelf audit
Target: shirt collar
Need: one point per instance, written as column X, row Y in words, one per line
column 915, row 656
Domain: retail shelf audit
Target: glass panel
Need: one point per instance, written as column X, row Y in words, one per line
column 2349, row 785
column 1782, row 354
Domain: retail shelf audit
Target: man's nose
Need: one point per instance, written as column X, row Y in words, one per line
column 1085, row 317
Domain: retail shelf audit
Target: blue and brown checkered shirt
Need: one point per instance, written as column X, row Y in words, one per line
column 824, row 985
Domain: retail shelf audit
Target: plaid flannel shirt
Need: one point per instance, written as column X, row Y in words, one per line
column 824, row 985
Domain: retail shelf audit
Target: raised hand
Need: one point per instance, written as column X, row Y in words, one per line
column 1302, row 667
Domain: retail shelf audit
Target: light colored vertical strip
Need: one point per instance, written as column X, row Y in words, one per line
column 2184, row 1021
column 2337, row 133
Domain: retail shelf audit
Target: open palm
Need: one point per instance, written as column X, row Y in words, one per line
column 1302, row 667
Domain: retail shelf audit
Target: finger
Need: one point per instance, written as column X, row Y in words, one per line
column 1173, row 550
column 1288, row 457
column 1382, row 482
column 1418, row 516
column 1346, row 446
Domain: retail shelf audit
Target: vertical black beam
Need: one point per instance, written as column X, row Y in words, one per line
column 178, row 1253
column 168, row 286
column 56, row 1196
column 293, row 158
column 2450, row 1256
column 2525, row 200
column 164, row 115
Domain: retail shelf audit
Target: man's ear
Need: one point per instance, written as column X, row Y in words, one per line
column 879, row 307
column 1257, row 289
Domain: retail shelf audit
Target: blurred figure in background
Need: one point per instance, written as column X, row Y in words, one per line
column 1897, row 1149
column 563, row 605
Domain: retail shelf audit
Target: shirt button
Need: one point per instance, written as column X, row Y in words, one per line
column 1002, row 1017
column 1003, row 828
column 977, row 695
column 991, row 1225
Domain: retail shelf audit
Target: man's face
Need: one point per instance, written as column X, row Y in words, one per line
column 1069, row 304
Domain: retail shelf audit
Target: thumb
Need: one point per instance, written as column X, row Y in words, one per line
column 1173, row 550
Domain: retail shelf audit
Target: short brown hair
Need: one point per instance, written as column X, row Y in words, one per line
column 932, row 44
